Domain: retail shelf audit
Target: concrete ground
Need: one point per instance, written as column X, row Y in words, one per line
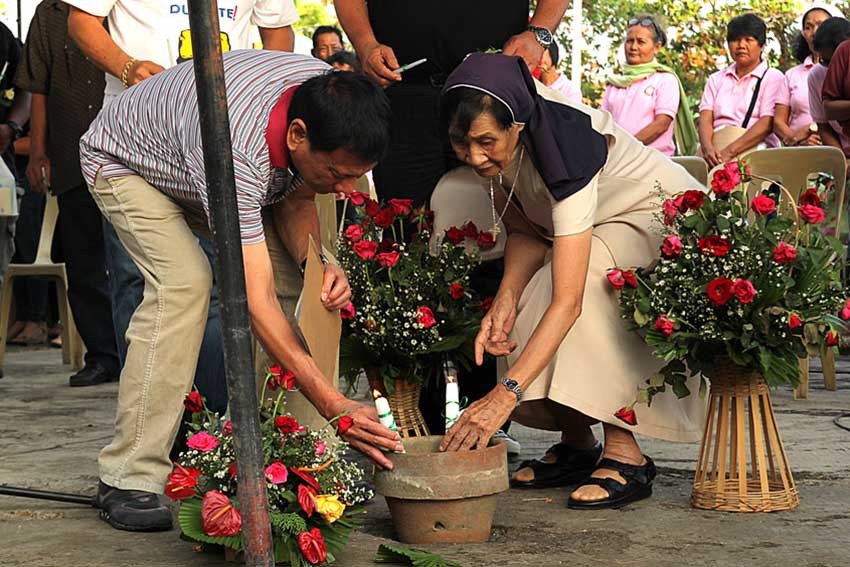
column 51, row 434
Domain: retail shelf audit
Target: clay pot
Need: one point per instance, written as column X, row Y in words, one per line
column 437, row 497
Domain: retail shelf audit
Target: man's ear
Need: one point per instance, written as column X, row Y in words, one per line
column 296, row 134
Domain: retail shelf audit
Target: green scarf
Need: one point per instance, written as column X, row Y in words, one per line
column 684, row 130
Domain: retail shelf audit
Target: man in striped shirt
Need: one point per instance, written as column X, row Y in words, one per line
column 296, row 130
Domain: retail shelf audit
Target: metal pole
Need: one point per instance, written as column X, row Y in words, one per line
column 46, row 495
column 576, row 40
column 229, row 272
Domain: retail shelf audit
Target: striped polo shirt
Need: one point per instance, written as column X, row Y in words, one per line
column 153, row 130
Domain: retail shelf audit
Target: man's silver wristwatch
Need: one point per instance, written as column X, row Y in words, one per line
column 512, row 386
column 542, row 35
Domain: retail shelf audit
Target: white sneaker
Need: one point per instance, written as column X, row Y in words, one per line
column 514, row 448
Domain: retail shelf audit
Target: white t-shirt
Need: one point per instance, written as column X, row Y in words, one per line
column 158, row 30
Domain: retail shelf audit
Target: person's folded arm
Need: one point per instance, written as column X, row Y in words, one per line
column 838, row 109
column 654, row 129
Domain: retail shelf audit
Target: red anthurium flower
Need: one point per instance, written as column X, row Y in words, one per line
column 664, row 325
column 486, row 240
column 305, row 499
column 716, row 245
column 365, row 249
column 182, row 482
column 794, row 321
column 470, row 230
column 354, row 233
column 385, row 218
column 344, row 423
column 630, row 278
column 312, row 546
column 719, row 290
column 358, row 198
column 671, row 246
column 276, row 473
column 347, row 312
column 811, row 197
column 763, row 205
column 832, row 339
column 627, row 415
column 693, row 199
column 615, row 277
column 388, row 259
column 401, row 206
column 425, row 317
column 744, row 290
column 287, row 424
column 455, row 235
column 218, row 515
column 456, row 290
column 784, row 253
column 308, row 479
column 194, row 402
column 811, row 214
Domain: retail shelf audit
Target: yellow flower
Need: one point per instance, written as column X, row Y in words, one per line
column 329, row 507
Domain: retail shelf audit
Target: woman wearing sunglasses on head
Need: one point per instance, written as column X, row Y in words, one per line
column 647, row 98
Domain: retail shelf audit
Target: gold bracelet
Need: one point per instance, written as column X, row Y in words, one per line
column 126, row 71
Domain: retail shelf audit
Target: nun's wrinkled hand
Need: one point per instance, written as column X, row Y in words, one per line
column 477, row 424
column 525, row 45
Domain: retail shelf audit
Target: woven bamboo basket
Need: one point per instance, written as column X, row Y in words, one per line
column 404, row 403
column 742, row 463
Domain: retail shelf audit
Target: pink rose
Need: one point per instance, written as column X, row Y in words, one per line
column 744, row 290
column 811, row 214
column 845, row 312
column 670, row 211
column 276, row 473
column 725, row 180
column 664, row 325
column 320, row 448
column 425, row 317
column 202, row 441
column 354, row 233
column 616, row 279
column 347, row 311
column 672, row 246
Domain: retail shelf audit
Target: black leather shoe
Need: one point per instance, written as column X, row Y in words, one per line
column 92, row 375
column 132, row 510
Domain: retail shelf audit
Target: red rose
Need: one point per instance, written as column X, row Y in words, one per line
column 344, row 423
column 232, row 469
column 716, row 245
column 811, row 214
column 845, row 313
column 388, row 259
column 312, row 546
column 202, row 441
column 228, row 428
column 286, row 380
column 470, row 230
column 385, row 217
column 811, row 197
column 308, row 479
column 194, row 402
column 182, row 482
column 365, row 249
column 615, row 277
column 486, row 304
column 401, row 206
column 347, row 312
column 354, row 233
column 670, row 211
column 744, row 290
column 456, row 290
column 724, row 181
column 664, row 325
column 486, row 240
column 719, row 290
column 305, row 499
column 832, row 339
column 287, row 424
column 784, row 253
column 630, row 278
column 693, row 199
column 425, row 317
column 763, row 205
column 679, row 202
column 372, row 208
column 218, row 515
column 626, row 415
column 672, row 246
column 357, row 198
column 794, row 321
column 275, row 370
column 455, row 235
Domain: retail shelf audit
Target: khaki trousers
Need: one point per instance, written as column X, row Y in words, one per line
column 165, row 333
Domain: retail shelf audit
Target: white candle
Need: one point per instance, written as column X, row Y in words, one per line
column 452, row 395
column 385, row 414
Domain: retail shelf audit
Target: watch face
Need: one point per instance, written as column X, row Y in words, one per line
column 544, row 36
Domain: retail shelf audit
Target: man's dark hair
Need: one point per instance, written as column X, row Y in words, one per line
column 344, row 58
column 746, row 25
column 460, row 106
column 321, row 30
column 831, row 33
column 344, row 111
column 554, row 53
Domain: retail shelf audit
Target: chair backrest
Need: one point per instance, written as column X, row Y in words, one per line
column 694, row 165
column 48, row 227
column 793, row 166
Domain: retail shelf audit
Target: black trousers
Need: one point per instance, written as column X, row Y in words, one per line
column 81, row 232
column 419, row 155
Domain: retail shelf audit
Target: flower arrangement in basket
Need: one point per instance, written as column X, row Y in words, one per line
column 412, row 309
column 753, row 280
column 313, row 491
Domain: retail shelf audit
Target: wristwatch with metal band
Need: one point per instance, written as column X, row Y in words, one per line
column 512, row 386
column 542, row 35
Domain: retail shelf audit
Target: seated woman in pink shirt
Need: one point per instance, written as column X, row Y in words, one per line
column 548, row 74
column 741, row 97
column 647, row 99
column 831, row 33
column 793, row 123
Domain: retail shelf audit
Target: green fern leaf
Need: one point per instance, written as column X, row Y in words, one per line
column 415, row 557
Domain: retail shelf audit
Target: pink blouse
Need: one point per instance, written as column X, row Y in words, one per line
column 637, row 105
column 795, row 94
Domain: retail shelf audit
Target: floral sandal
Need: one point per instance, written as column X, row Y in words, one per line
column 637, row 487
column 572, row 466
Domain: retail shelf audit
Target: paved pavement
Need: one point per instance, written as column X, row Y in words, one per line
column 51, row 435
